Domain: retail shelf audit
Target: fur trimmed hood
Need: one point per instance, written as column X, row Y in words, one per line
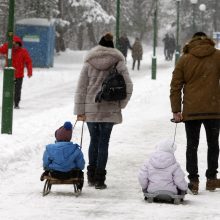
column 200, row 47
column 102, row 58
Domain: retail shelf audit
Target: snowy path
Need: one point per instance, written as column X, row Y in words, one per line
column 47, row 101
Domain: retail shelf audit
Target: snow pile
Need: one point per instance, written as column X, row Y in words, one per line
column 30, row 124
column 47, row 101
column 35, row 22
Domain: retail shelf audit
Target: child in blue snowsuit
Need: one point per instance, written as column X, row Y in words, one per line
column 63, row 159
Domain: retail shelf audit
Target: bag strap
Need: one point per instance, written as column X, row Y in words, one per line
column 114, row 66
column 81, row 139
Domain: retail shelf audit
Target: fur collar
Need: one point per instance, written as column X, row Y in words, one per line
column 102, row 58
column 100, row 51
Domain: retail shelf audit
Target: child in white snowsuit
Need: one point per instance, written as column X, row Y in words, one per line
column 161, row 171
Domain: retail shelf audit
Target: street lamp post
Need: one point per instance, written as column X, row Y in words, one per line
column 117, row 23
column 194, row 2
column 177, row 54
column 8, row 78
column 215, row 15
column 154, row 58
column 202, row 8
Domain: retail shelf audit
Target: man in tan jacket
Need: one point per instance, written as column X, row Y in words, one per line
column 195, row 99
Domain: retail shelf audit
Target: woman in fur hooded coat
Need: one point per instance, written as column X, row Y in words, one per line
column 100, row 116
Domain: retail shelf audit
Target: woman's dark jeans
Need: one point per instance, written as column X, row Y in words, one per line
column 212, row 135
column 100, row 133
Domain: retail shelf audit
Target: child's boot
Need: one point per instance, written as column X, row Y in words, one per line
column 45, row 173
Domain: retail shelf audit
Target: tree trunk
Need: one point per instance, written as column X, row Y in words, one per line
column 91, row 34
column 60, row 7
column 80, row 37
column 215, row 15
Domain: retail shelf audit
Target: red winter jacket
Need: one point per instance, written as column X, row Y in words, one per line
column 20, row 58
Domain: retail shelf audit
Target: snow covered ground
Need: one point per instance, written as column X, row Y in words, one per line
column 47, row 101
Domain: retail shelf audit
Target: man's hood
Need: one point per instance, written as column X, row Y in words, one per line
column 17, row 39
column 200, row 47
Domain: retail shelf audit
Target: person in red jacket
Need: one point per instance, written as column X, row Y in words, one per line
column 20, row 59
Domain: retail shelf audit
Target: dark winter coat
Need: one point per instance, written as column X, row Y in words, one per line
column 197, row 76
column 166, row 41
column 63, row 157
column 20, row 58
column 137, row 50
column 124, row 45
column 171, row 44
column 96, row 67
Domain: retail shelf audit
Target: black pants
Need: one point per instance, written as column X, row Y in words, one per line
column 75, row 173
column 138, row 67
column 17, row 91
column 212, row 136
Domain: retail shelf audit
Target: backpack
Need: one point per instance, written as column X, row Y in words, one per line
column 113, row 87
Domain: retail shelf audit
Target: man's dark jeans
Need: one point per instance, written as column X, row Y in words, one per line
column 212, row 135
column 99, row 141
column 18, row 87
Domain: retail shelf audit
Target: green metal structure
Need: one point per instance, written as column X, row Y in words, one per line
column 177, row 54
column 154, row 58
column 117, row 23
column 194, row 15
column 8, row 78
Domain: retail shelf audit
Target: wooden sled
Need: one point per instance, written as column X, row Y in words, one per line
column 164, row 196
column 76, row 182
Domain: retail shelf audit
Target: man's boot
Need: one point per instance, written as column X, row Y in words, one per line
column 91, row 175
column 100, row 179
column 212, row 184
column 193, row 186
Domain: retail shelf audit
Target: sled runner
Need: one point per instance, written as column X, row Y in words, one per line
column 164, row 196
column 77, row 183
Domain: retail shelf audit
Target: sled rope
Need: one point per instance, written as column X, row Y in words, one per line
column 81, row 139
column 81, row 135
column 174, row 137
column 74, row 124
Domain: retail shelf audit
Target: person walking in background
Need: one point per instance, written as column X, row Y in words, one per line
column 196, row 76
column 166, row 46
column 124, row 45
column 171, row 46
column 20, row 59
column 100, row 116
column 162, row 172
column 137, row 52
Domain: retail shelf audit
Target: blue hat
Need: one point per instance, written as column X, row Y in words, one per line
column 64, row 133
